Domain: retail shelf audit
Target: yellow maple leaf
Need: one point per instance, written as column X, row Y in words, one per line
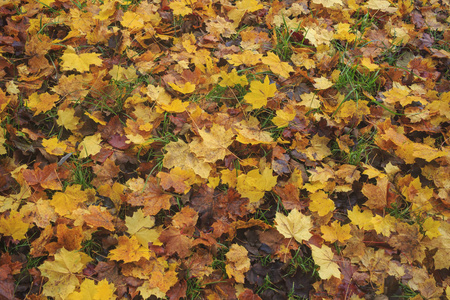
column 14, row 226
column 138, row 222
column 343, row 32
column 52, row 146
column 107, row 9
column 284, row 116
column 247, row 57
column 175, row 106
column 329, row 3
column 363, row 219
column 295, row 225
column 324, row 258
column 179, row 154
column 67, row 118
column 232, row 78
column 65, row 203
column 186, row 88
column 237, row 263
column 229, row 177
column 129, row 250
column 335, row 232
column 310, row 100
column 320, row 203
column 384, row 225
column 253, row 185
column 42, row 102
column 367, row 62
column 70, row 60
column 62, row 272
column 319, row 149
column 322, row 83
column 90, row 145
column 382, row 5
column 213, row 145
column 121, row 73
column 2, row 141
column 260, row 92
column 103, row 290
column 181, row 8
column 250, row 133
column 431, row 228
column 276, row 65
column 132, row 21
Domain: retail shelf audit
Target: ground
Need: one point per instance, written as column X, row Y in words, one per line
column 215, row 149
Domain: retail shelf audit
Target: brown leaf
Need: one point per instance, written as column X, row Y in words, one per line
column 153, row 198
column 176, row 242
column 46, row 178
column 290, row 197
column 99, row 218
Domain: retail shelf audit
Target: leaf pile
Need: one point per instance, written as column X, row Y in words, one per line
column 224, row 149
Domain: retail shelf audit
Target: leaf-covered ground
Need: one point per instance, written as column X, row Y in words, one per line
column 218, row 149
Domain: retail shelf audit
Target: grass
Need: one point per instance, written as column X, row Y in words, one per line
column 407, row 292
column 267, row 285
column 360, row 152
column 219, row 261
column 194, row 288
column 353, row 82
column 81, row 173
column 287, row 39
column 303, row 263
column 91, row 247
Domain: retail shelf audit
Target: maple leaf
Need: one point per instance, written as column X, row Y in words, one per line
column 250, row 133
column 41, row 213
column 68, row 238
column 54, row 147
column 132, row 20
column 99, row 217
column 321, row 204
column 42, row 102
column 176, row 242
column 14, row 226
column 65, row 203
column 260, row 92
column 363, row 219
column 90, row 145
column 151, row 196
column 295, row 225
column 247, row 57
column 68, row 119
column 324, row 258
column 276, row 65
column 238, row 263
column 178, row 179
column 62, row 272
column 322, row 83
column 179, row 154
column 91, row 291
column 70, row 60
column 2, row 142
column 336, row 232
column 186, row 88
column 284, row 116
column 213, row 145
column 46, row 178
column 180, row 7
column 253, row 185
column 140, row 226
column 319, row 149
column 129, row 250
column 231, row 79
